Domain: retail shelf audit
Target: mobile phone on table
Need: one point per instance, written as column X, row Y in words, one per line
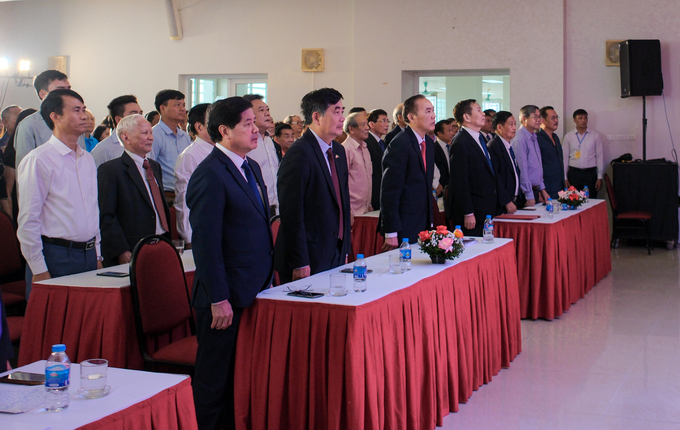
column 306, row 294
column 114, row 274
column 24, row 378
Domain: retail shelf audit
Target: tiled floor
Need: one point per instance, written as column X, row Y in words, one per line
column 611, row 362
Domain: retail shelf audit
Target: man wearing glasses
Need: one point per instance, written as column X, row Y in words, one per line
column 551, row 152
column 296, row 123
column 528, row 154
column 378, row 125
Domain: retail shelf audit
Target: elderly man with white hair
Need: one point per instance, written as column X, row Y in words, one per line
column 358, row 163
column 131, row 202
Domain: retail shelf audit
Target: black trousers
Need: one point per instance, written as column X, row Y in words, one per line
column 580, row 178
column 213, row 383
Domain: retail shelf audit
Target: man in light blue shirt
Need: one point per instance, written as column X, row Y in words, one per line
column 33, row 131
column 111, row 148
column 168, row 139
column 528, row 156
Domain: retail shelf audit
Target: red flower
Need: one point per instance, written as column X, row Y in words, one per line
column 424, row 235
column 573, row 197
column 441, row 229
column 572, row 188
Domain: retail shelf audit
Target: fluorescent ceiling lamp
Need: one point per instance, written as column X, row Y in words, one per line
column 492, row 81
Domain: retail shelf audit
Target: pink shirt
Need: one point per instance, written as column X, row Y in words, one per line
column 360, row 175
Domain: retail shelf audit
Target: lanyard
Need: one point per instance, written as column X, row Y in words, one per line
column 580, row 140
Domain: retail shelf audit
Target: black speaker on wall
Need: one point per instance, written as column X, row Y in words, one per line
column 641, row 68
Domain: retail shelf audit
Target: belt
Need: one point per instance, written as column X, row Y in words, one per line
column 582, row 170
column 535, row 188
column 69, row 243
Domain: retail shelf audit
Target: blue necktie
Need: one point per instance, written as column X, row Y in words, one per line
column 514, row 161
column 251, row 181
column 382, row 145
column 486, row 152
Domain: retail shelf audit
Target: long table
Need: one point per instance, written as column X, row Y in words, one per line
column 92, row 315
column 138, row 401
column 560, row 259
column 403, row 354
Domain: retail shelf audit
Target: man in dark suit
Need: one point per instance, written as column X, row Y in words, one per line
column 378, row 125
column 552, row 157
column 131, row 203
column 399, row 123
column 487, row 129
column 444, row 132
column 472, row 183
column 233, row 250
column 504, row 164
column 408, row 169
column 315, row 230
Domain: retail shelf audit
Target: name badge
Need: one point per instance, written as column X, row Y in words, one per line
column 577, row 154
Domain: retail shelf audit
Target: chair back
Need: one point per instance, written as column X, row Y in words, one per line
column 159, row 290
column 10, row 253
column 610, row 192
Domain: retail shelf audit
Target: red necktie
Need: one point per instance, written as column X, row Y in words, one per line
column 336, row 186
column 156, row 193
column 422, row 152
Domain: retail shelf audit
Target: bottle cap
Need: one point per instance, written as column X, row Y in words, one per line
column 405, row 239
column 360, row 256
column 549, row 199
column 60, row 347
column 488, row 217
column 457, row 227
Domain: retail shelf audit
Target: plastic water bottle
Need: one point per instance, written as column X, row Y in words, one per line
column 488, row 229
column 549, row 208
column 458, row 232
column 587, row 193
column 405, row 255
column 360, row 274
column 57, row 379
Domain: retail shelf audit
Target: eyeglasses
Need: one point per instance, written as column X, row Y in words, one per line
column 295, row 122
column 384, row 121
column 554, row 117
column 532, row 116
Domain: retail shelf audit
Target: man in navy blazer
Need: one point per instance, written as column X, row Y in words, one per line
column 406, row 192
column 233, row 250
column 510, row 197
column 472, row 183
column 127, row 209
column 315, row 232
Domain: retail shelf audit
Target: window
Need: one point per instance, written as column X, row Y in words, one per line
column 210, row 88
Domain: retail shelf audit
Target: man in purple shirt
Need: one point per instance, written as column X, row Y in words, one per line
column 528, row 155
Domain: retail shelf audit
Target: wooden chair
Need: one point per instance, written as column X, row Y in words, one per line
column 627, row 220
column 161, row 303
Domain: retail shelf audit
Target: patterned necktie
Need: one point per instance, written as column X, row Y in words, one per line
column 156, row 194
column 250, row 178
column 382, row 144
column 422, row 152
column 336, row 186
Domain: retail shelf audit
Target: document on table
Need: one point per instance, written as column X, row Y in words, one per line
column 16, row 399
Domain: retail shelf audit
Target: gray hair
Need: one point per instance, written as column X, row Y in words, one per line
column 5, row 112
column 351, row 121
column 398, row 112
column 527, row 111
column 289, row 119
column 127, row 124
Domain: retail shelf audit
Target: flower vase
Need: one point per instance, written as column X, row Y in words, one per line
column 436, row 259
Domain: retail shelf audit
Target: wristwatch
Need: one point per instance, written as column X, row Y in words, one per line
column 100, row 258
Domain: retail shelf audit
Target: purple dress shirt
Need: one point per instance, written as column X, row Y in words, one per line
column 528, row 155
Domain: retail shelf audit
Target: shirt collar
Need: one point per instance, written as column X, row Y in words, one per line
column 234, row 157
column 505, row 142
column 63, row 149
column 524, row 131
column 139, row 161
column 200, row 142
column 377, row 138
column 165, row 128
column 354, row 143
column 473, row 133
column 419, row 138
column 441, row 142
column 324, row 146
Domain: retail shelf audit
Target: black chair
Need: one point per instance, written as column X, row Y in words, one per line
column 627, row 220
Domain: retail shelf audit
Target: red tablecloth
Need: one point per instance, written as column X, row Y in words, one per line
column 559, row 263
column 403, row 361
column 365, row 239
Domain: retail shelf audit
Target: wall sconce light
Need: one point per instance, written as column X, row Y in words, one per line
column 22, row 76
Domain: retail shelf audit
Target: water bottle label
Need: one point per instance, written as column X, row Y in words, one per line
column 405, row 254
column 359, row 273
column 57, row 376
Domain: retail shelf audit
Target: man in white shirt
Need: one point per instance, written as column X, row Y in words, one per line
column 358, row 163
column 186, row 164
column 583, row 160
column 265, row 153
column 111, row 148
column 33, row 131
column 58, row 215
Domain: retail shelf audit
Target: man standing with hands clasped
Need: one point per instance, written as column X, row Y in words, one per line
column 528, row 154
column 583, row 161
column 233, row 251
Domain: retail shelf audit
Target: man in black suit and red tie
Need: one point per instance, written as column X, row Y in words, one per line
column 408, row 170
column 510, row 198
column 233, row 250
column 131, row 201
column 315, row 230
column 472, row 182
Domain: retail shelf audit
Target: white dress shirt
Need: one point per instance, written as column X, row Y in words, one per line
column 590, row 146
column 514, row 168
column 187, row 162
column 437, row 173
column 58, row 199
column 139, row 162
column 266, row 158
column 107, row 149
column 31, row 133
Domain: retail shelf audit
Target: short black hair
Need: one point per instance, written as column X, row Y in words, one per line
column 54, row 102
column 357, row 109
column 439, row 126
column 461, row 108
column 280, row 126
column 163, row 96
column 410, row 106
column 489, row 112
column 544, row 111
column 197, row 114
column 501, row 118
column 97, row 133
column 225, row 112
column 151, row 115
column 251, row 97
column 43, row 80
column 318, row 101
column 375, row 114
column 117, row 106
column 578, row 112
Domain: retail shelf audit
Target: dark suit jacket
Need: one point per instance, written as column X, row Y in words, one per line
column 376, row 160
column 440, row 159
column 126, row 212
column 392, row 134
column 552, row 159
column 232, row 238
column 472, row 183
column 406, row 193
column 6, row 350
column 310, row 212
column 505, row 175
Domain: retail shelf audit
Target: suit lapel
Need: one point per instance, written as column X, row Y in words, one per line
column 240, row 180
column 321, row 157
column 414, row 144
column 480, row 151
column 135, row 176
